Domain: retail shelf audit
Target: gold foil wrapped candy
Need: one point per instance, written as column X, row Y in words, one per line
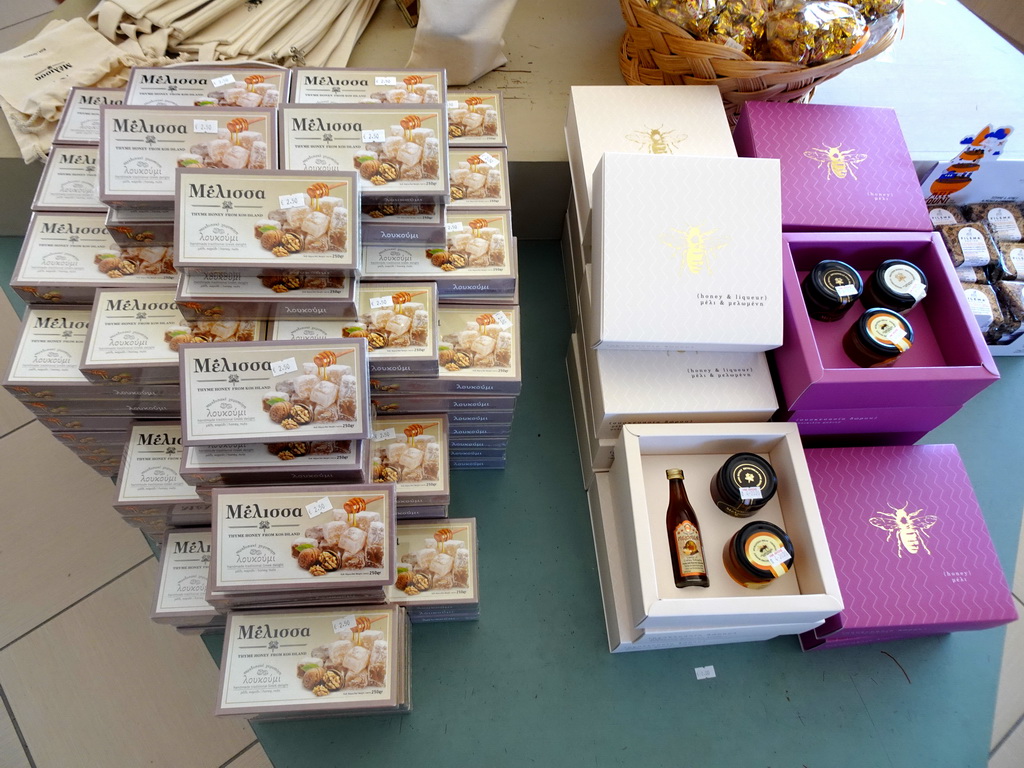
column 738, row 24
column 875, row 9
column 815, row 32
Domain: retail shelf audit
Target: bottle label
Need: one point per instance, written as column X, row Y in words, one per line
column 762, row 552
column 901, row 279
column 940, row 217
column 981, row 308
column 1017, row 259
column 688, row 550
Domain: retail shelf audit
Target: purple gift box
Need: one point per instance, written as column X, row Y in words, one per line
column 860, row 421
column 947, row 365
column 910, row 546
column 843, row 168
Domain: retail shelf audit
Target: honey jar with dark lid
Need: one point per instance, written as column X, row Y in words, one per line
column 743, row 484
column 896, row 284
column 830, row 289
column 758, row 554
column 878, row 338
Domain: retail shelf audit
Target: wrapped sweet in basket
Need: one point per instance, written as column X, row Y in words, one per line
column 710, row 42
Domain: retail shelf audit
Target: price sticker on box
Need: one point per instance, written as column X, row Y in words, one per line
column 705, row 673
column 454, row 226
column 281, row 367
column 345, row 622
column 291, row 201
column 384, row 80
column 453, row 104
column 381, row 302
column 217, row 82
column 205, row 126
column 751, row 494
column 370, row 137
column 489, row 160
column 502, row 319
column 381, row 435
column 318, row 507
column 779, row 556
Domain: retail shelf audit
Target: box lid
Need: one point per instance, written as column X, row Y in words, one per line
column 149, row 468
column 843, row 168
column 694, row 267
column 908, row 540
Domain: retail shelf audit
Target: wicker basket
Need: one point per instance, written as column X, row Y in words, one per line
column 655, row 51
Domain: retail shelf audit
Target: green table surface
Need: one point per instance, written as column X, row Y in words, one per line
column 532, row 682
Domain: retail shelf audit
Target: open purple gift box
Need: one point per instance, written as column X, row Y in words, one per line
column 947, row 365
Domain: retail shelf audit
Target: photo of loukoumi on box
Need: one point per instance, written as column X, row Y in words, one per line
column 336, row 660
column 254, row 220
column 65, row 257
column 412, row 452
column 479, row 178
column 271, row 391
column 325, row 538
column 437, row 572
column 195, row 85
column 336, row 85
column 397, row 150
column 399, row 322
column 142, row 146
column 69, row 181
column 80, row 119
column 476, row 119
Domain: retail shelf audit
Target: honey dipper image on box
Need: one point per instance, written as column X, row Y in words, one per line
column 410, row 151
column 326, row 390
column 235, row 147
column 476, row 116
column 415, row 89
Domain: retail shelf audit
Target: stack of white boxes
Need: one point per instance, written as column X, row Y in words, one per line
column 672, row 249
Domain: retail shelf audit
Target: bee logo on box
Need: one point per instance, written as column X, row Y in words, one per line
column 836, row 163
column 691, row 248
column 909, row 528
column 656, row 141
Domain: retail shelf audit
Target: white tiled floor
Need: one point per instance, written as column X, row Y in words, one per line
column 80, row 662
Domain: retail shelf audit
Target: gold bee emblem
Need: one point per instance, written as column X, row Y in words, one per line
column 836, row 163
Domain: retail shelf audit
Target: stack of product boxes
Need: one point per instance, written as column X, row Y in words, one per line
column 436, row 239
column 684, row 258
column 67, row 256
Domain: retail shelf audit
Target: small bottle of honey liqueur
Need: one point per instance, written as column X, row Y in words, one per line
column 685, row 545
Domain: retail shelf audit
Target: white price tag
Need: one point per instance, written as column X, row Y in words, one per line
column 502, row 319
column 292, row 201
column 453, row 104
column 385, row 81
column 454, row 226
column 704, row 673
column 317, row 508
column 282, row 367
column 846, row 290
column 918, row 291
column 369, row 137
column 489, row 160
column 345, row 622
column 779, row 556
column 217, row 82
column 205, row 126
column 384, row 434
column 751, row 494
column 381, row 302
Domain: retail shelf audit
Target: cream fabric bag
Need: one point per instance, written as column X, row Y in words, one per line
column 39, row 73
column 463, row 36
